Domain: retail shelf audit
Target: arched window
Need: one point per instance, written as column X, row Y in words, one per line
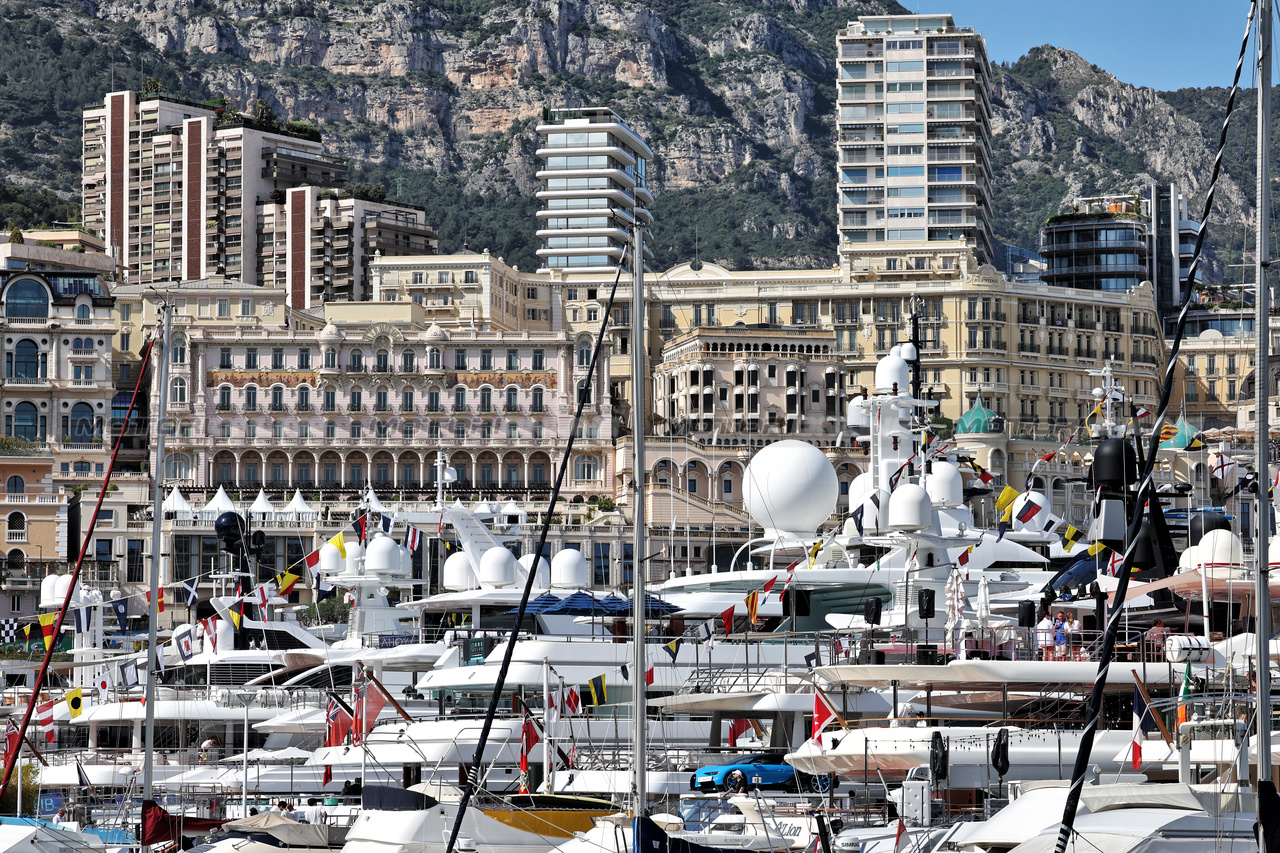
column 27, row 298
column 586, row 468
column 251, row 398
column 277, row 398
column 381, row 361
column 26, row 421
column 513, row 398
column 357, row 361
column 224, row 429
column 536, row 403
column 584, row 353
column 83, row 312
column 178, row 392
column 17, row 526
column 87, row 343
column 15, row 562
column 15, row 486
column 177, row 467
column 331, row 359
column 81, row 423
column 224, row 398
column 584, row 391
column 406, row 361
column 81, row 467
column 486, row 399
column 26, row 360
column 433, row 359
column 460, row 397
column 179, row 351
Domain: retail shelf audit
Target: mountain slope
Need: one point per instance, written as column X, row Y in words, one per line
column 438, row 101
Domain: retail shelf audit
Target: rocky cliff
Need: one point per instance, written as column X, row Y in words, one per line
column 437, row 100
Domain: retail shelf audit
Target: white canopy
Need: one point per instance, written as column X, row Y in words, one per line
column 261, row 504
column 175, row 502
column 375, row 505
column 298, row 508
column 512, row 508
column 220, row 503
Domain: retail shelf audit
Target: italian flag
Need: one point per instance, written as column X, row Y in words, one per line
column 1184, row 698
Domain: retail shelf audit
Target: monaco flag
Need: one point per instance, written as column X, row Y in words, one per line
column 823, row 714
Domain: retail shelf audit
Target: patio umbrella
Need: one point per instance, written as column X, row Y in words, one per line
column 956, row 603
column 983, row 607
column 653, row 606
column 541, row 604
column 584, row 604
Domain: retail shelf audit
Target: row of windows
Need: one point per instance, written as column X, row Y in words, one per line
column 80, row 427
column 381, row 429
column 382, row 359
column 355, row 398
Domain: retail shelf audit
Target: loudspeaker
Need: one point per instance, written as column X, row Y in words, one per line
column 1026, row 614
column 926, row 654
column 871, row 611
column 924, row 598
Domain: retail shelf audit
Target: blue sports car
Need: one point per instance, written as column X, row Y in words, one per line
column 762, row 770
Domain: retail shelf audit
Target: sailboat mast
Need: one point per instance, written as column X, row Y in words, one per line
column 1262, row 390
column 639, row 538
column 157, row 516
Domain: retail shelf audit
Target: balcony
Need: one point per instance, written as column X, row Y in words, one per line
column 27, row 380
column 1052, row 350
column 1029, row 348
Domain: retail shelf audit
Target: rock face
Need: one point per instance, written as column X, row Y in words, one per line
column 438, row 98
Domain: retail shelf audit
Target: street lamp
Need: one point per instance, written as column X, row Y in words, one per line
column 246, row 698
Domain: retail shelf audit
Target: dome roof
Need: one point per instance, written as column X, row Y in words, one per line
column 1187, row 437
column 435, row 333
column 330, row 333
column 977, row 419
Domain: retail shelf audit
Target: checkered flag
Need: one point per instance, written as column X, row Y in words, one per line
column 9, row 631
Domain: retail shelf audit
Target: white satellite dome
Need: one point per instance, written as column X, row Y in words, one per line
column 910, row 508
column 790, row 488
column 858, row 489
column 945, row 484
column 383, row 556
column 1219, row 547
column 858, row 413
column 226, row 633
column 458, row 574
column 543, row 580
column 331, row 562
column 406, row 561
column 46, row 592
column 497, row 567
column 1037, row 522
column 570, row 570
column 893, row 370
column 875, row 511
column 354, row 552
column 908, row 351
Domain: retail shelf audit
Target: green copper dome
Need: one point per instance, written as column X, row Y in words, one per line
column 977, row 419
column 1187, row 437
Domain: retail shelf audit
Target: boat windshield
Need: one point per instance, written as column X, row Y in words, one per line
column 698, row 812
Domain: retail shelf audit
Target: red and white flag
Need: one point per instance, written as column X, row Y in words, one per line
column 572, row 701
column 823, row 714
column 369, row 703
column 901, row 841
column 529, row 738
column 44, row 713
column 210, row 627
column 413, row 538
column 1142, row 413
column 337, row 724
column 262, row 595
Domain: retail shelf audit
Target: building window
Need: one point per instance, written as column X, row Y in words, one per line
column 224, row 308
column 224, row 358
column 406, row 401
column 251, row 358
column 304, row 359
column 486, row 359
column 178, row 392
column 179, row 352
column 330, row 430
column 586, row 468
column 459, row 359
column 277, row 358
column 357, row 429
column 15, row 486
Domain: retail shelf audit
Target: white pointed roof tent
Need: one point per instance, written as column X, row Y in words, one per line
column 218, row 504
column 298, row 509
column 375, row 505
column 176, row 504
column 512, row 510
column 262, row 506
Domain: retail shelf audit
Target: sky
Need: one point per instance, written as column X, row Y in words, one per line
column 1165, row 45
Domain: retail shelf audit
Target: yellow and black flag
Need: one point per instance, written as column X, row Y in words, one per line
column 1006, row 499
column 1071, row 537
column 75, row 702
column 598, row 693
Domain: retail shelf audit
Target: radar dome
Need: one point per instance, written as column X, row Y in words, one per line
column 1035, row 523
column 893, row 370
column 354, row 552
column 543, row 580
column 331, row 562
column 570, row 570
column 945, row 484
column 497, row 567
column 875, row 511
column 790, row 488
column 858, row 413
column 457, row 574
column 858, row 489
column 910, row 508
column 383, row 556
column 1219, row 547
column 1203, row 522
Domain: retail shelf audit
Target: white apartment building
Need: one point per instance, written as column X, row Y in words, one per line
column 914, row 118
column 594, row 177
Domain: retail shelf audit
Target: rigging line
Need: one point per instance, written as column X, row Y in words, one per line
column 12, row 757
column 638, row 419
column 1146, row 489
